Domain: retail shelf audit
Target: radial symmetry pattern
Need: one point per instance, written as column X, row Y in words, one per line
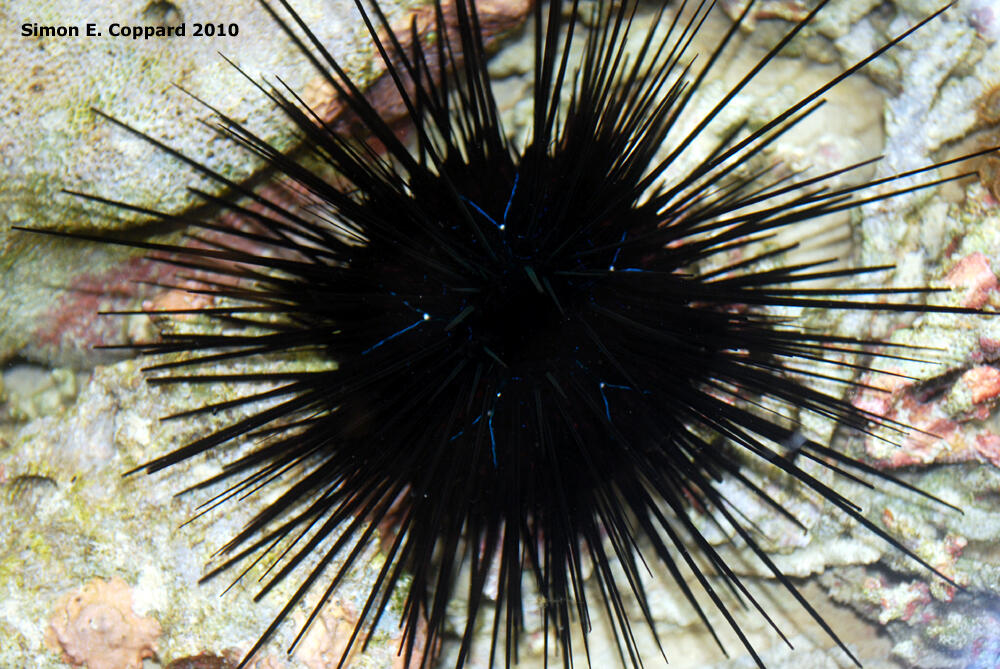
column 521, row 358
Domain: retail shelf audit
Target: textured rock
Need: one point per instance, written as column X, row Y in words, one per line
column 51, row 140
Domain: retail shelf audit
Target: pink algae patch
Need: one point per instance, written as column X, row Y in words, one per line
column 95, row 627
column 940, row 433
column 974, row 274
column 983, row 382
column 935, row 435
column 988, row 445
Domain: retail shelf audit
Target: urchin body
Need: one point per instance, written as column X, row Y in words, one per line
column 532, row 371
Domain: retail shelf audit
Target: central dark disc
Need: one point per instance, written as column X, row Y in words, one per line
column 518, row 318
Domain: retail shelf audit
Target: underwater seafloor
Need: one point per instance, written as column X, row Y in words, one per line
column 93, row 568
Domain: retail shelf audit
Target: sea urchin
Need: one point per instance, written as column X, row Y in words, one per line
column 527, row 364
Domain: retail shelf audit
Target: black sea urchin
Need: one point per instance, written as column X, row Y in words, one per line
column 534, row 371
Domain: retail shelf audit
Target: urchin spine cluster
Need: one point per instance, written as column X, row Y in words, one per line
column 533, row 373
